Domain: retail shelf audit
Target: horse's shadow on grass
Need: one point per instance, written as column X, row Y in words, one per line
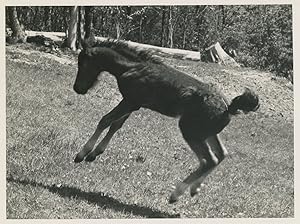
column 98, row 199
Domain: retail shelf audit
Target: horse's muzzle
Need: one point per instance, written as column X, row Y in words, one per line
column 78, row 90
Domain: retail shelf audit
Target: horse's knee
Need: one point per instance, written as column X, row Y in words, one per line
column 117, row 125
column 104, row 122
column 217, row 147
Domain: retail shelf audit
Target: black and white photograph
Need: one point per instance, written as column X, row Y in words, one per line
column 141, row 111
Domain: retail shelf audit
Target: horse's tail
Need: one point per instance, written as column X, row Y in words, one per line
column 246, row 102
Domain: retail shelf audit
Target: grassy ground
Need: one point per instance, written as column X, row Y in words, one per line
column 47, row 124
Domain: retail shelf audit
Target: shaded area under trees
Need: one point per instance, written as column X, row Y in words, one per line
column 260, row 36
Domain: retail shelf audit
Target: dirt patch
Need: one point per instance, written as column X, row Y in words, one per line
column 17, row 52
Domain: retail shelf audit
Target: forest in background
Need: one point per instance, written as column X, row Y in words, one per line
column 260, row 34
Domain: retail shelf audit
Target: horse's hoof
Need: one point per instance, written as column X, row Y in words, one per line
column 90, row 158
column 173, row 199
column 195, row 192
column 78, row 159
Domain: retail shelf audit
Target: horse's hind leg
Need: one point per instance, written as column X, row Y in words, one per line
column 219, row 150
column 195, row 136
column 122, row 109
column 217, row 147
column 115, row 126
column 207, row 161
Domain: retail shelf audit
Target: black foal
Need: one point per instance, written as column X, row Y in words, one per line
column 147, row 82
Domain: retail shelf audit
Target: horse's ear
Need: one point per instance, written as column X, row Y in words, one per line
column 88, row 42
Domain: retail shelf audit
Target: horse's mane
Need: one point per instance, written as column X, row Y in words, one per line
column 132, row 53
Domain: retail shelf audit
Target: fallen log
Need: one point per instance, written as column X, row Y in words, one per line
column 160, row 51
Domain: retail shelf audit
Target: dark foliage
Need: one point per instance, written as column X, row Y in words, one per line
column 259, row 36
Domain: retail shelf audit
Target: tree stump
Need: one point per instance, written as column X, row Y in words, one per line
column 216, row 54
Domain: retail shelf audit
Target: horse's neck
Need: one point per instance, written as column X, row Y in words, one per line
column 118, row 64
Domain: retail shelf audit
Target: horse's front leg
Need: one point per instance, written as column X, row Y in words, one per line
column 121, row 110
column 115, row 126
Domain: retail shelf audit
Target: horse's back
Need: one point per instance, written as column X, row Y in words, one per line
column 163, row 89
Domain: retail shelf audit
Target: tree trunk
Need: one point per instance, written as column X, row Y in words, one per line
column 88, row 21
column 80, row 27
column 200, row 28
column 47, row 17
column 118, row 24
column 141, row 29
column 170, row 28
column 102, row 23
column 18, row 34
column 184, row 39
column 118, row 29
column 66, row 13
column 162, row 37
column 184, row 31
column 223, row 16
column 72, row 31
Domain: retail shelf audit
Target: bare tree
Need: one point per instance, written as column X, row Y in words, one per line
column 88, row 17
column 72, row 31
column 118, row 22
column 170, row 27
column 47, row 18
column 201, row 25
column 18, row 34
column 80, row 26
column 162, row 37
column 173, row 16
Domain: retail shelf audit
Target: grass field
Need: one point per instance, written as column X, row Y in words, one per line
column 48, row 123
